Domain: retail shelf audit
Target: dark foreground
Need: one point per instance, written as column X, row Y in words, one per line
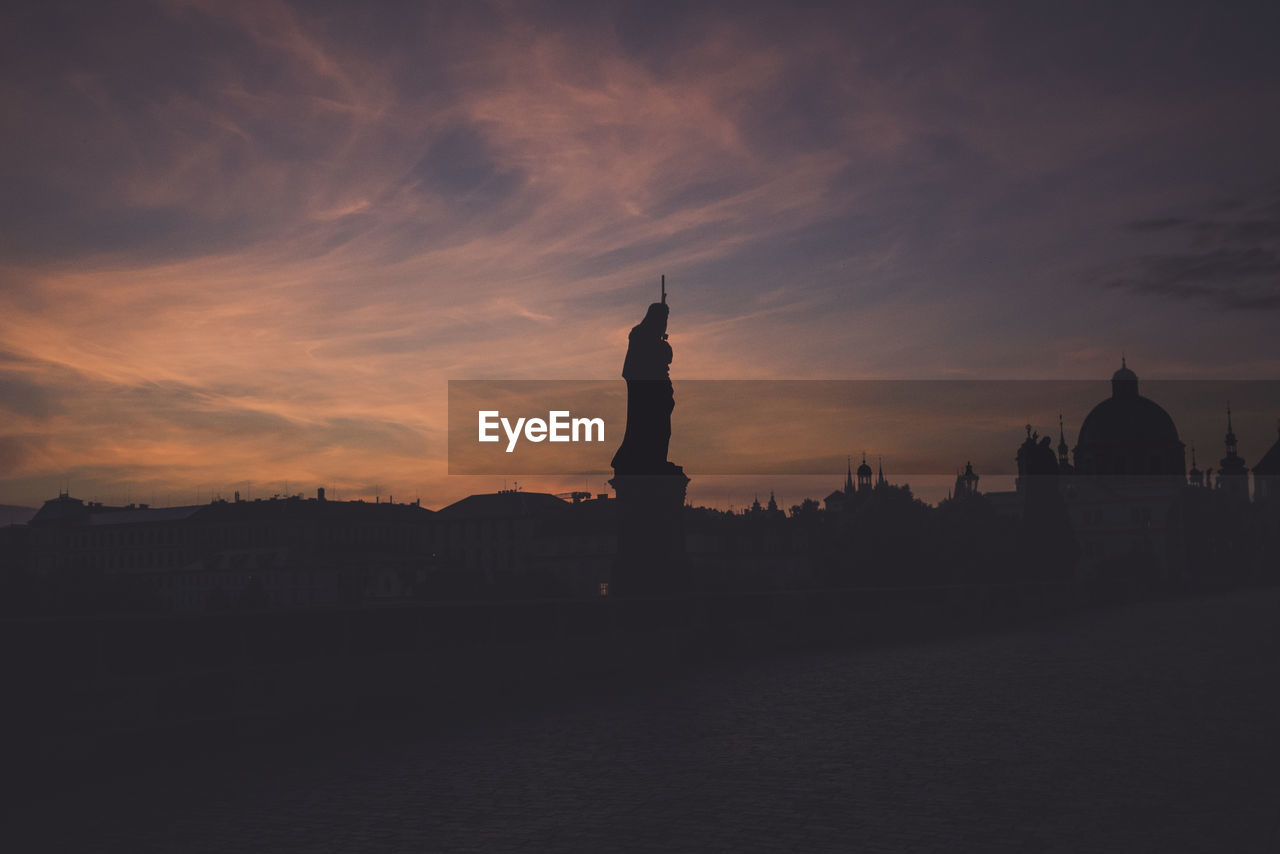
column 1153, row 727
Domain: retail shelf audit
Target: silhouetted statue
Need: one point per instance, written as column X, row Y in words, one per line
column 650, row 398
column 1046, row 539
column 651, row 490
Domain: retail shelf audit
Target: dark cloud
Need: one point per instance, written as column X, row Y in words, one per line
column 1159, row 224
column 460, row 167
column 16, row 451
column 39, row 222
column 1248, row 279
column 1236, row 264
column 22, row 397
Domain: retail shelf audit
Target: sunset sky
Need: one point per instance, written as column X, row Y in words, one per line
column 247, row 245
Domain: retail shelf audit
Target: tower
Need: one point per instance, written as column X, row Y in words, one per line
column 1233, row 477
column 864, row 474
column 1195, row 477
column 1064, row 465
column 966, row 483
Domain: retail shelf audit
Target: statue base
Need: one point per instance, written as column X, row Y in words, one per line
column 650, row 559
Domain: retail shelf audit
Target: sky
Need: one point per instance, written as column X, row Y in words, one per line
column 247, row 245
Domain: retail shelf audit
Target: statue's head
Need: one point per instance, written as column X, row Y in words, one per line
column 655, row 319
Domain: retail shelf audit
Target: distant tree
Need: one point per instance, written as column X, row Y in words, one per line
column 809, row 508
column 970, row 544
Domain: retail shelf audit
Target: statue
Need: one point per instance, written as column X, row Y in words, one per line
column 1046, row 539
column 650, row 398
column 651, row 490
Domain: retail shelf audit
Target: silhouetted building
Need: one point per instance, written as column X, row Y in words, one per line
column 1136, row 511
column 853, row 491
column 1046, row 544
column 1195, row 477
column 278, row 553
column 966, row 483
column 837, row 499
column 574, row 549
column 1266, row 475
column 1233, row 477
column 1064, row 465
column 15, row 579
column 492, row 533
column 1129, row 469
column 757, row 549
column 1128, row 434
column 864, row 475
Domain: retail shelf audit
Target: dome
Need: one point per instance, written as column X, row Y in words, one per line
column 1270, row 463
column 864, row 470
column 1129, row 434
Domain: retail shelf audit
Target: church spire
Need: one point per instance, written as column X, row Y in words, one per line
column 848, row 477
column 1231, row 435
column 1232, row 473
column 966, row 483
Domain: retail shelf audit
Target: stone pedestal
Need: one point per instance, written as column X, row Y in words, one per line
column 650, row 557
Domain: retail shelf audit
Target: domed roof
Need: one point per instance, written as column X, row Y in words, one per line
column 1124, row 382
column 1129, row 434
column 864, row 470
column 1128, row 421
column 1270, row 463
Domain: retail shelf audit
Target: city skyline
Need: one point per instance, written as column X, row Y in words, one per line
column 259, row 239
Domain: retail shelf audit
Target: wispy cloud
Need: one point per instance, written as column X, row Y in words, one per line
column 1235, row 262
